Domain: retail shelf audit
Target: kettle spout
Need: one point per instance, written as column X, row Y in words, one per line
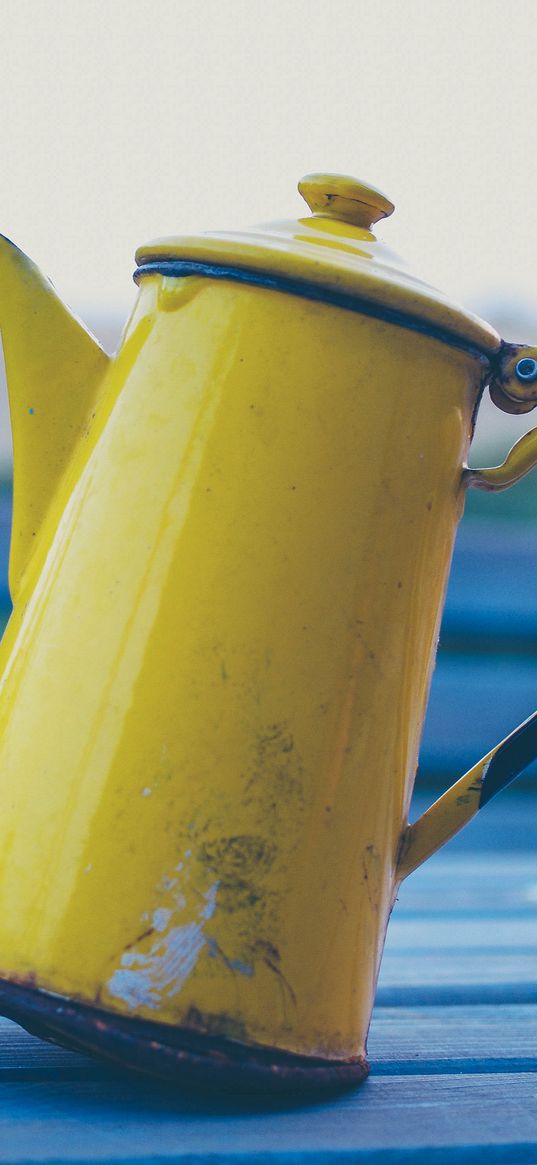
column 54, row 371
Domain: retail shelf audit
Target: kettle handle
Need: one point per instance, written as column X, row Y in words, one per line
column 520, row 459
column 513, row 389
column 467, row 796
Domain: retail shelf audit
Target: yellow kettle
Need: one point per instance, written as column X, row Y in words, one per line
column 230, row 549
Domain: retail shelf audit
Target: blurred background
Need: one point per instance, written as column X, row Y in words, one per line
column 126, row 120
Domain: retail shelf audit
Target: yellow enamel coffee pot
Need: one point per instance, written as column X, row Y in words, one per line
column 230, row 549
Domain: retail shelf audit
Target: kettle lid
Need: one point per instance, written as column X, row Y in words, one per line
column 330, row 255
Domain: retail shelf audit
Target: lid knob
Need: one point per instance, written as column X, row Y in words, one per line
column 340, row 197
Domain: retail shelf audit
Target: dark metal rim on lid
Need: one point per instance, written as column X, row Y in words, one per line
column 181, row 268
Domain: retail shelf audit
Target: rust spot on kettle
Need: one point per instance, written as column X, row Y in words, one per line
column 139, row 938
column 272, row 959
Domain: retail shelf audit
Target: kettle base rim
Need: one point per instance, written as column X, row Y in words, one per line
column 176, row 1056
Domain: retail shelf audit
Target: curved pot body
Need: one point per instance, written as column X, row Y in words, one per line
column 216, row 672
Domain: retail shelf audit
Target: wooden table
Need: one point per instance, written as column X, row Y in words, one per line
column 453, row 1046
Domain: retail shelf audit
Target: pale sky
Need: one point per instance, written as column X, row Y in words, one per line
column 123, row 120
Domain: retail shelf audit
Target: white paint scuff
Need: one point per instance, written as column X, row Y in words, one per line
column 143, row 977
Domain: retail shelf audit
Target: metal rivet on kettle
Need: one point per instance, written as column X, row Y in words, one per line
column 526, row 369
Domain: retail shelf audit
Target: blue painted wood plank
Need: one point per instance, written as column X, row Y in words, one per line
column 451, row 969
column 471, row 1038
column 422, row 1118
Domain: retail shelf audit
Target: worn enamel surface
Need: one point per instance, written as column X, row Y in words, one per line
column 216, row 675
column 214, row 679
